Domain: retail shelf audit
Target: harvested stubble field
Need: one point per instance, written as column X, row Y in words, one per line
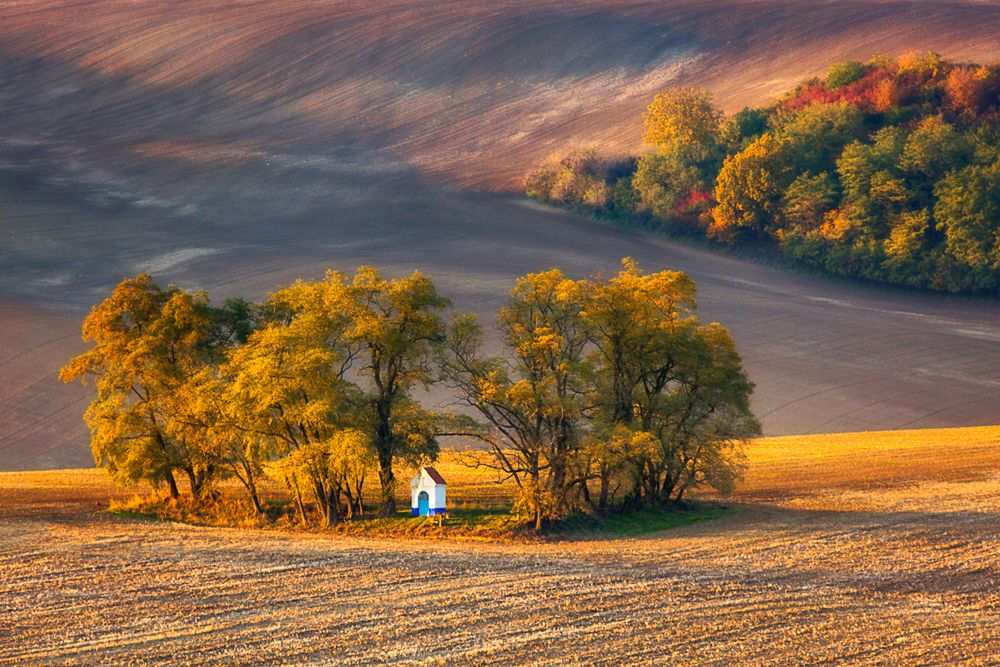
column 872, row 548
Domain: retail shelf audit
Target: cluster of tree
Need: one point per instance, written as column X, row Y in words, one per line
column 312, row 387
column 610, row 391
column 885, row 170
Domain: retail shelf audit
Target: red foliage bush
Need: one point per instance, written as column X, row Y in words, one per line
column 881, row 89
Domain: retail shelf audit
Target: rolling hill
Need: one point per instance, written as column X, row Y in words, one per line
column 237, row 146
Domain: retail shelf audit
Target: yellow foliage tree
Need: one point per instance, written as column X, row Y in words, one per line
column 287, row 386
column 148, row 342
column 682, row 121
column 531, row 401
column 396, row 329
column 608, row 380
column 668, row 394
column 749, row 190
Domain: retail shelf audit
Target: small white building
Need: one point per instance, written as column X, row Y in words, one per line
column 427, row 492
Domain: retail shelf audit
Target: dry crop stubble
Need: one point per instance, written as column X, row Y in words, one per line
column 832, row 566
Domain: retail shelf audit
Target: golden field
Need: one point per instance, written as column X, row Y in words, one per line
column 866, row 548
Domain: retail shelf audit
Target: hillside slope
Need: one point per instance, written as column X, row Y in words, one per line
column 472, row 89
column 238, row 146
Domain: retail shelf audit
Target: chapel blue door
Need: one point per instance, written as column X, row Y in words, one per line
column 424, row 504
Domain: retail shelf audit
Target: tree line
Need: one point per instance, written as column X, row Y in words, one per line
column 609, row 392
column 885, row 170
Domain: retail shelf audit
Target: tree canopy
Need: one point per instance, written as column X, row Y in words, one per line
column 604, row 384
column 148, row 346
column 881, row 170
column 314, row 384
column 607, row 382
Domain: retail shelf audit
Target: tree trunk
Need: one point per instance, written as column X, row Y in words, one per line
column 387, row 479
column 538, row 504
column 324, row 509
column 349, row 505
column 384, row 449
column 652, row 485
column 301, row 506
column 359, row 499
column 585, row 491
column 669, row 484
column 557, row 485
column 332, row 508
column 194, row 483
column 171, row 482
column 254, row 498
column 172, row 485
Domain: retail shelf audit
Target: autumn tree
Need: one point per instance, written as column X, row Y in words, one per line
column 972, row 89
column 742, row 128
column 683, row 121
column 928, row 65
column 909, row 255
column 808, row 200
column 341, row 356
column 334, row 467
column 862, row 165
column 632, row 320
column 932, row 149
column 664, row 185
column 814, row 136
column 200, row 415
column 702, row 417
column 967, row 213
column 286, row 392
column 396, row 329
column 844, row 73
column 530, row 400
column 611, row 382
column 685, row 128
column 218, row 419
column 579, row 179
column 670, row 392
column 749, row 189
column 148, row 342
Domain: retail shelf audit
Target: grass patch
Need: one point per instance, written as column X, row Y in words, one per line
column 488, row 523
column 137, row 516
column 475, row 522
column 227, row 512
column 647, row 520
